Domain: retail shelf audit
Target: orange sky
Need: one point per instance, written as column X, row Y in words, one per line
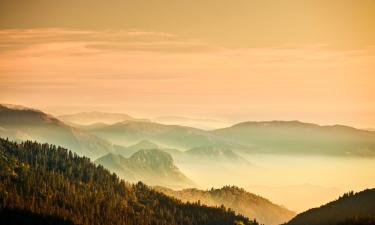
column 279, row 71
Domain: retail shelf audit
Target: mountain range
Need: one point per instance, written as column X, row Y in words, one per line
column 21, row 123
column 202, row 154
column 45, row 184
column 206, row 124
column 241, row 201
column 152, row 152
column 267, row 137
column 270, row 137
column 152, row 166
column 170, row 136
column 87, row 118
column 212, row 153
column 294, row 137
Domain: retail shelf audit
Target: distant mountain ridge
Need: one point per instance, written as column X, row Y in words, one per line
column 349, row 206
column 151, row 166
column 94, row 117
column 21, row 123
column 201, row 123
column 170, row 136
column 201, row 154
column 295, row 137
column 269, row 137
column 215, row 153
column 130, row 150
column 241, row 201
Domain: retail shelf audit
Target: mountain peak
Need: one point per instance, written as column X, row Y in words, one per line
column 220, row 153
column 237, row 199
column 153, row 157
column 145, row 144
column 36, row 125
column 151, row 166
column 18, row 112
column 87, row 118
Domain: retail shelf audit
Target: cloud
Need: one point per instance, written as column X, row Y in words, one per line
column 97, row 41
column 162, row 72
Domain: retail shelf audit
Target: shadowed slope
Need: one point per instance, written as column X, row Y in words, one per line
column 20, row 123
column 237, row 199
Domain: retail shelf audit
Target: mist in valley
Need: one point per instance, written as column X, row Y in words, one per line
column 297, row 182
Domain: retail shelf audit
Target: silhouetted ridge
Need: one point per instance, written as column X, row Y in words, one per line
column 11, row 216
column 349, row 207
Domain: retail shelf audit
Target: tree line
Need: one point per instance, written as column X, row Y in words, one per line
column 46, row 184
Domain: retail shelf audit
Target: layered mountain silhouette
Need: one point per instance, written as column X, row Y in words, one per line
column 170, row 136
column 95, row 117
column 206, row 124
column 241, row 201
column 280, row 137
column 45, row 184
column 130, row 150
column 218, row 154
column 151, row 166
column 294, row 137
column 21, row 123
column 349, row 209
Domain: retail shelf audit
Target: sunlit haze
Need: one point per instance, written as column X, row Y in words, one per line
column 273, row 96
column 252, row 60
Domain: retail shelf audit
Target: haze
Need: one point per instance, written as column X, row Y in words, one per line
column 233, row 61
column 203, row 64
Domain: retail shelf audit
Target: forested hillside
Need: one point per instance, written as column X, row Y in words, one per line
column 238, row 199
column 49, row 182
column 358, row 208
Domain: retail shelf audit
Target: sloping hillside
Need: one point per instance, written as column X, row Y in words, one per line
column 130, row 150
column 241, row 201
column 45, row 183
column 20, row 123
column 348, row 207
column 151, row 166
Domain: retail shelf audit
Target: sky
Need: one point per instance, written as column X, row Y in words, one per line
column 232, row 60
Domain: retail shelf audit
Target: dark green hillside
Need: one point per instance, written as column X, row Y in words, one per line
column 359, row 221
column 45, row 180
column 11, row 216
column 351, row 209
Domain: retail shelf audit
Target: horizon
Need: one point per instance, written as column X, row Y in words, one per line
column 249, row 60
column 274, row 96
column 154, row 119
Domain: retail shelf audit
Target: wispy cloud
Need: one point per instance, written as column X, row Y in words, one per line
column 163, row 72
column 97, row 41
